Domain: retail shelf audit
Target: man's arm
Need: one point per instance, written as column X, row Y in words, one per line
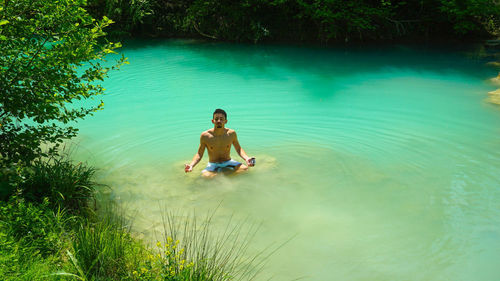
column 240, row 150
column 197, row 157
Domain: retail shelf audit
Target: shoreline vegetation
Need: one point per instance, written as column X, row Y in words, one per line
column 52, row 227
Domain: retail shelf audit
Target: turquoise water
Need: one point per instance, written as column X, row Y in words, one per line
column 378, row 163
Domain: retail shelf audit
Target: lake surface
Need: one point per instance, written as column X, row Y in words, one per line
column 378, row 163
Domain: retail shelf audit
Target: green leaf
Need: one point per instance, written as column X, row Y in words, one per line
column 3, row 22
column 109, row 51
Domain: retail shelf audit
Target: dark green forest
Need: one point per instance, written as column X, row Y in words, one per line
column 317, row 21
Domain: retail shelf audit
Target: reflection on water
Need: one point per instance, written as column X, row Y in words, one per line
column 381, row 164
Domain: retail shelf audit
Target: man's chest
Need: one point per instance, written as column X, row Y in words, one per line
column 217, row 142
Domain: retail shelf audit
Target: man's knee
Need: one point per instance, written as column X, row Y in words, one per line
column 242, row 167
column 208, row 175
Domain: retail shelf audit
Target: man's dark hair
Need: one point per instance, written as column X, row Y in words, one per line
column 218, row 110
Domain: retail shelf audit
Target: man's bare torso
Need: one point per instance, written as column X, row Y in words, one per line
column 219, row 147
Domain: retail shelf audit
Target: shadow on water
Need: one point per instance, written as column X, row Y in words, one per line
column 320, row 61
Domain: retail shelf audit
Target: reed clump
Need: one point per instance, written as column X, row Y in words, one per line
column 68, row 186
column 191, row 250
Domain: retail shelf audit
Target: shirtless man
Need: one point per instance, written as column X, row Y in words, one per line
column 218, row 142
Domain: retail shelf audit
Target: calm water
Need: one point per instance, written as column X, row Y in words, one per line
column 381, row 163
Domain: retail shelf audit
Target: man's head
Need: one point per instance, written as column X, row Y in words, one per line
column 219, row 118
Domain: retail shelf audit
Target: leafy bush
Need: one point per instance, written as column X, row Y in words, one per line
column 128, row 15
column 33, row 226
column 31, row 238
column 469, row 16
column 11, row 176
column 51, row 56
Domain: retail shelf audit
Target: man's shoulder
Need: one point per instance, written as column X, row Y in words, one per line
column 231, row 131
column 207, row 133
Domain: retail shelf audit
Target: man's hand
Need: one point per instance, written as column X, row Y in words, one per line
column 188, row 168
column 250, row 161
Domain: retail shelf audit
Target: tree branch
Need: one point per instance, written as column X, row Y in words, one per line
column 6, row 4
column 29, row 63
column 37, row 51
column 400, row 24
column 201, row 33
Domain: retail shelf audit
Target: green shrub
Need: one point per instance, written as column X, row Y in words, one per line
column 51, row 55
column 33, row 226
column 127, row 15
column 11, row 175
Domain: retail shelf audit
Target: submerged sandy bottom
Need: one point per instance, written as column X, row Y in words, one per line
column 341, row 216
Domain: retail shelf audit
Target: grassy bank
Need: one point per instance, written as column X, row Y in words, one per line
column 50, row 230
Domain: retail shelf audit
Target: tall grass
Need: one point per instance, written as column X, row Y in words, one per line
column 103, row 249
column 99, row 250
column 68, row 186
column 210, row 255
